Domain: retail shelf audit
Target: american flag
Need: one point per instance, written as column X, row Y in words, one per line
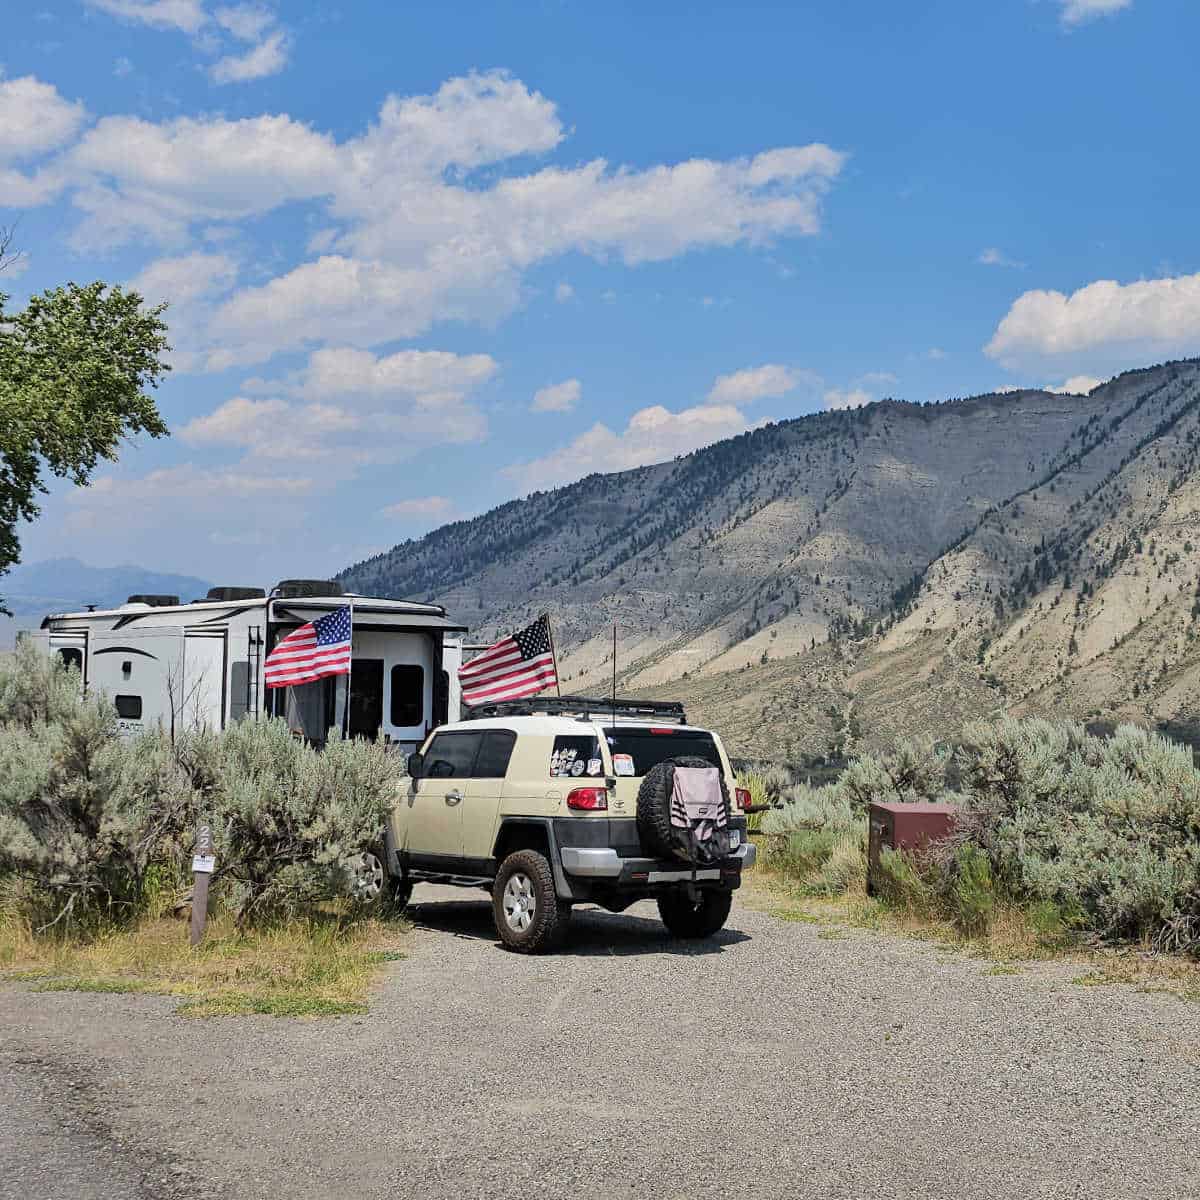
column 315, row 650
column 516, row 666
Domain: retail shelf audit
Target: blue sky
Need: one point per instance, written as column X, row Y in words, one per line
column 424, row 258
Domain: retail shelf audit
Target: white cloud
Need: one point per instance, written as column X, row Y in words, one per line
column 247, row 22
column 994, row 257
column 347, row 409
column 653, row 435
column 182, row 280
column 410, row 233
column 189, row 285
column 159, row 179
column 1077, row 385
column 563, row 292
column 35, row 119
column 847, row 398
column 422, row 508
column 269, row 57
column 187, row 16
column 1104, row 319
column 935, row 354
column 1076, row 12
column 558, row 397
column 755, row 383
column 346, row 372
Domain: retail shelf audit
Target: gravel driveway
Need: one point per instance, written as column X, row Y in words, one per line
column 773, row 1061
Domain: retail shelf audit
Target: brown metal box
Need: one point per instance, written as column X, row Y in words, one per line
column 905, row 827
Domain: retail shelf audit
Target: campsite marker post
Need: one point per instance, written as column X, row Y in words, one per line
column 203, row 863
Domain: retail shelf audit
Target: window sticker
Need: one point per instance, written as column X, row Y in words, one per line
column 595, row 766
column 623, row 764
column 572, row 755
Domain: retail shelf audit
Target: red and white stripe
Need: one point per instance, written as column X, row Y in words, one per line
column 500, row 673
column 298, row 659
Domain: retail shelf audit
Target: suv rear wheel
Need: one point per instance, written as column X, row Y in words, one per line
column 530, row 918
column 702, row 918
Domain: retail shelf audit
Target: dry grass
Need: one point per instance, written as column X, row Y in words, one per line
column 320, row 967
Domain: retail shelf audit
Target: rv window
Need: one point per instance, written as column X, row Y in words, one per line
column 239, row 690
column 494, row 754
column 408, row 696
column 71, row 657
column 129, row 707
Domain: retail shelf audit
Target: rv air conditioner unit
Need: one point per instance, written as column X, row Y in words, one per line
column 153, row 600
column 297, row 589
column 236, row 593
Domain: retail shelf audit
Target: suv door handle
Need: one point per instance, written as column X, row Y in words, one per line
column 453, row 798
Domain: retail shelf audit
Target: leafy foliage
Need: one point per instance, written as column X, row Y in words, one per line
column 74, row 366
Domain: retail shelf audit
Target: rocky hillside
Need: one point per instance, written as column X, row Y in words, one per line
column 906, row 566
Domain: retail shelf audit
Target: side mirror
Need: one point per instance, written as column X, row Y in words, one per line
column 415, row 762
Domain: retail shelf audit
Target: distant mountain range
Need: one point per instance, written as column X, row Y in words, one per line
column 907, row 565
column 66, row 584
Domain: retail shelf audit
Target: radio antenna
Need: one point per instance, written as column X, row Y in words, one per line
column 614, row 687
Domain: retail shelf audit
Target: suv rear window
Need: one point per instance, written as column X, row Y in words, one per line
column 648, row 749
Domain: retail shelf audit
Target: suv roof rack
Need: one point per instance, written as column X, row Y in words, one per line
column 584, row 707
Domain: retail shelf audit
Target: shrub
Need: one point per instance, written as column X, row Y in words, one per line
column 83, row 814
column 93, row 825
column 972, row 891
column 286, row 819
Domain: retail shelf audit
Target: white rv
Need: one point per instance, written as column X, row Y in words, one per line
column 188, row 665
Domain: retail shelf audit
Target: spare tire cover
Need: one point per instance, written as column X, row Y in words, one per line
column 664, row 840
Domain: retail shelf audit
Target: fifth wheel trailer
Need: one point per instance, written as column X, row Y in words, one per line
column 201, row 664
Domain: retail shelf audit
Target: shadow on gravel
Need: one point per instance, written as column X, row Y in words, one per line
column 592, row 931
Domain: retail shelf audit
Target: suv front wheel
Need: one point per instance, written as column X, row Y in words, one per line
column 695, row 919
column 530, row 918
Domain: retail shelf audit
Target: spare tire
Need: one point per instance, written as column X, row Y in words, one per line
column 664, row 840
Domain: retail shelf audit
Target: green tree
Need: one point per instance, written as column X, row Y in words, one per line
column 75, row 365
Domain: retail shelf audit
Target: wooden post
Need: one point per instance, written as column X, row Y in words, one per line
column 203, row 862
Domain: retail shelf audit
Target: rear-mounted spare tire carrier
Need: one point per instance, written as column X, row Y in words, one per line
column 654, row 811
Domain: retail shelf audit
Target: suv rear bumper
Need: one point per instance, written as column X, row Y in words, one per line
column 603, row 862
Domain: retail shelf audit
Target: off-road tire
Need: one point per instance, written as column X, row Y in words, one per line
column 528, row 874
column 699, row 920
column 654, row 805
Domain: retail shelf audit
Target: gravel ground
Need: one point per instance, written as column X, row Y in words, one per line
column 772, row 1061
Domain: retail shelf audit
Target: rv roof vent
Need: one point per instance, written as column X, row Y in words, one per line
column 153, row 600
column 294, row 589
column 236, row 593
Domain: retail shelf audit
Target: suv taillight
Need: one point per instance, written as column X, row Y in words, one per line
column 742, row 799
column 590, row 799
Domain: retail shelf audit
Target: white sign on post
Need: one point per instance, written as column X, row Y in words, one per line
column 204, row 863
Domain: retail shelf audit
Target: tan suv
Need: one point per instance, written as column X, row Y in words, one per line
column 537, row 801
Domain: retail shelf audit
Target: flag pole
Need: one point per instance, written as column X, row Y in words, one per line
column 349, row 669
column 553, row 652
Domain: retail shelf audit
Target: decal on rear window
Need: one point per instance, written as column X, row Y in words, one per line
column 573, row 755
column 623, row 764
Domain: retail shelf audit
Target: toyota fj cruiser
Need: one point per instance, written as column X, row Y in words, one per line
column 547, row 803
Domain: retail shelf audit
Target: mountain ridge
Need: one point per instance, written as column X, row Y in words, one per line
column 955, row 526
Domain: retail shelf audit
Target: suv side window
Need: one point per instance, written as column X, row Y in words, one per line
column 494, row 753
column 451, row 756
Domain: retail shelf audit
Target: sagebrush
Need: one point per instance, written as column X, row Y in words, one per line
column 96, row 827
column 1101, row 834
